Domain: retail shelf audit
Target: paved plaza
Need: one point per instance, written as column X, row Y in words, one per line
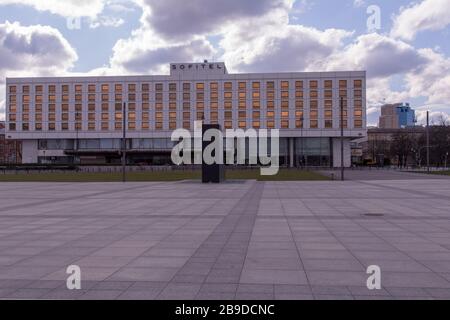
column 238, row 240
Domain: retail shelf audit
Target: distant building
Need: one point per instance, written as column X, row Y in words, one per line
column 10, row 150
column 396, row 116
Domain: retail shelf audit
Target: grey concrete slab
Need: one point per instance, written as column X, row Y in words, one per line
column 248, row 240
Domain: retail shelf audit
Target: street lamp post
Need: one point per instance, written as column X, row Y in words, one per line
column 342, row 139
column 428, row 141
column 124, row 142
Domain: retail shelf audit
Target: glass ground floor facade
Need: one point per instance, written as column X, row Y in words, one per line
column 297, row 152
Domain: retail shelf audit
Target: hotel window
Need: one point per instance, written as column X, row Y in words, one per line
column 52, row 98
column 328, row 124
column 145, row 116
column 105, row 107
column 314, row 124
column 65, row 98
column 12, row 99
column 38, row 88
column 256, row 104
column 228, row 115
column 145, row 96
column 78, row 88
column 343, row 93
column 228, row 124
column 328, row 94
column 186, row 106
column 91, row 88
column 12, row 127
column 78, row 97
column 270, row 95
column 200, row 105
column 132, row 126
column 105, row 88
column 358, row 94
column 91, row 126
column 256, row 124
column 200, row 95
column 172, row 87
column 270, row 85
column 38, row 117
column 158, row 106
column 228, row 105
column 105, row 116
column 159, row 87
column 65, row 88
column 342, row 83
column 105, row 97
column 25, row 99
column 131, row 87
column 78, row 116
column 12, row 117
column 159, row 125
column 105, row 126
column 285, row 124
column 158, row 96
column 78, row 107
column 328, row 84
column 145, row 87
column 270, row 105
column 270, row 114
column 242, row 124
column 64, row 126
column 284, row 84
column 91, row 116
column 52, row 108
column 214, row 96
column 214, row 116
column 242, row 95
column 358, row 123
column 256, row 85
column 118, row 116
column 242, row 115
column 12, row 89
column 38, row 98
column 145, row 126
column 38, row 127
column 242, row 86
column 12, row 108
column 200, row 116
column 284, row 94
column 357, row 83
column 26, row 89
column 228, row 86
column 38, row 107
column 186, row 86
column 313, row 84
column 313, row 94
column 172, row 115
column 91, row 107
column 285, row 114
column 172, row 96
column 200, row 86
column 299, row 94
column 52, row 126
column 78, row 126
column 52, row 88
column 91, row 97
column 186, row 125
column 159, row 116
column 65, row 117
column 228, row 95
column 118, row 87
column 118, row 126
column 65, row 107
column 214, row 105
column 270, row 124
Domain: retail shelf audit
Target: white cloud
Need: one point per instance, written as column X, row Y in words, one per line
column 359, row 3
column 66, row 8
column 32, row 51
column 426, row 15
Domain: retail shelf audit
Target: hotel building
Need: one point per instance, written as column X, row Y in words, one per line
column 80, row 119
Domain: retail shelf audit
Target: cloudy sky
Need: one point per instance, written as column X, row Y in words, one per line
column 406, row 56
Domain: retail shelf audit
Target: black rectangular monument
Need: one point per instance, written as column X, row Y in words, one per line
column 214, row 173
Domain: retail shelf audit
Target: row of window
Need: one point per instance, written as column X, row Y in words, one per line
column 145, row 87
column 172, row 125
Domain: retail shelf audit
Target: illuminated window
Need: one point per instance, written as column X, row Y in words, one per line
column 313, row 84
column 284, row 84
column 65, row 88
column 357, row 83
column 285, row 124
column 358, row 123
column 105, row 87
column 299, row 84
column 200, row 86
column 12, row 89
column 242, row 124
column 39, row 89
column 52, row 88
column 131, row 87
column 314, row 124
column 186, row 86
column 342, row 83
column 91, row 88
column 105, row 126
column 228, row 85
column 145, row 87
column 78, row 88
column 159, row 87
column 328, row 84
column 270, row 124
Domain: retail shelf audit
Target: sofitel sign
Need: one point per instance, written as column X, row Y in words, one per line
column 198, row 67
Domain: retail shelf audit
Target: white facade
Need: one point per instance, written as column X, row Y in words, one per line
column 264, row 100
